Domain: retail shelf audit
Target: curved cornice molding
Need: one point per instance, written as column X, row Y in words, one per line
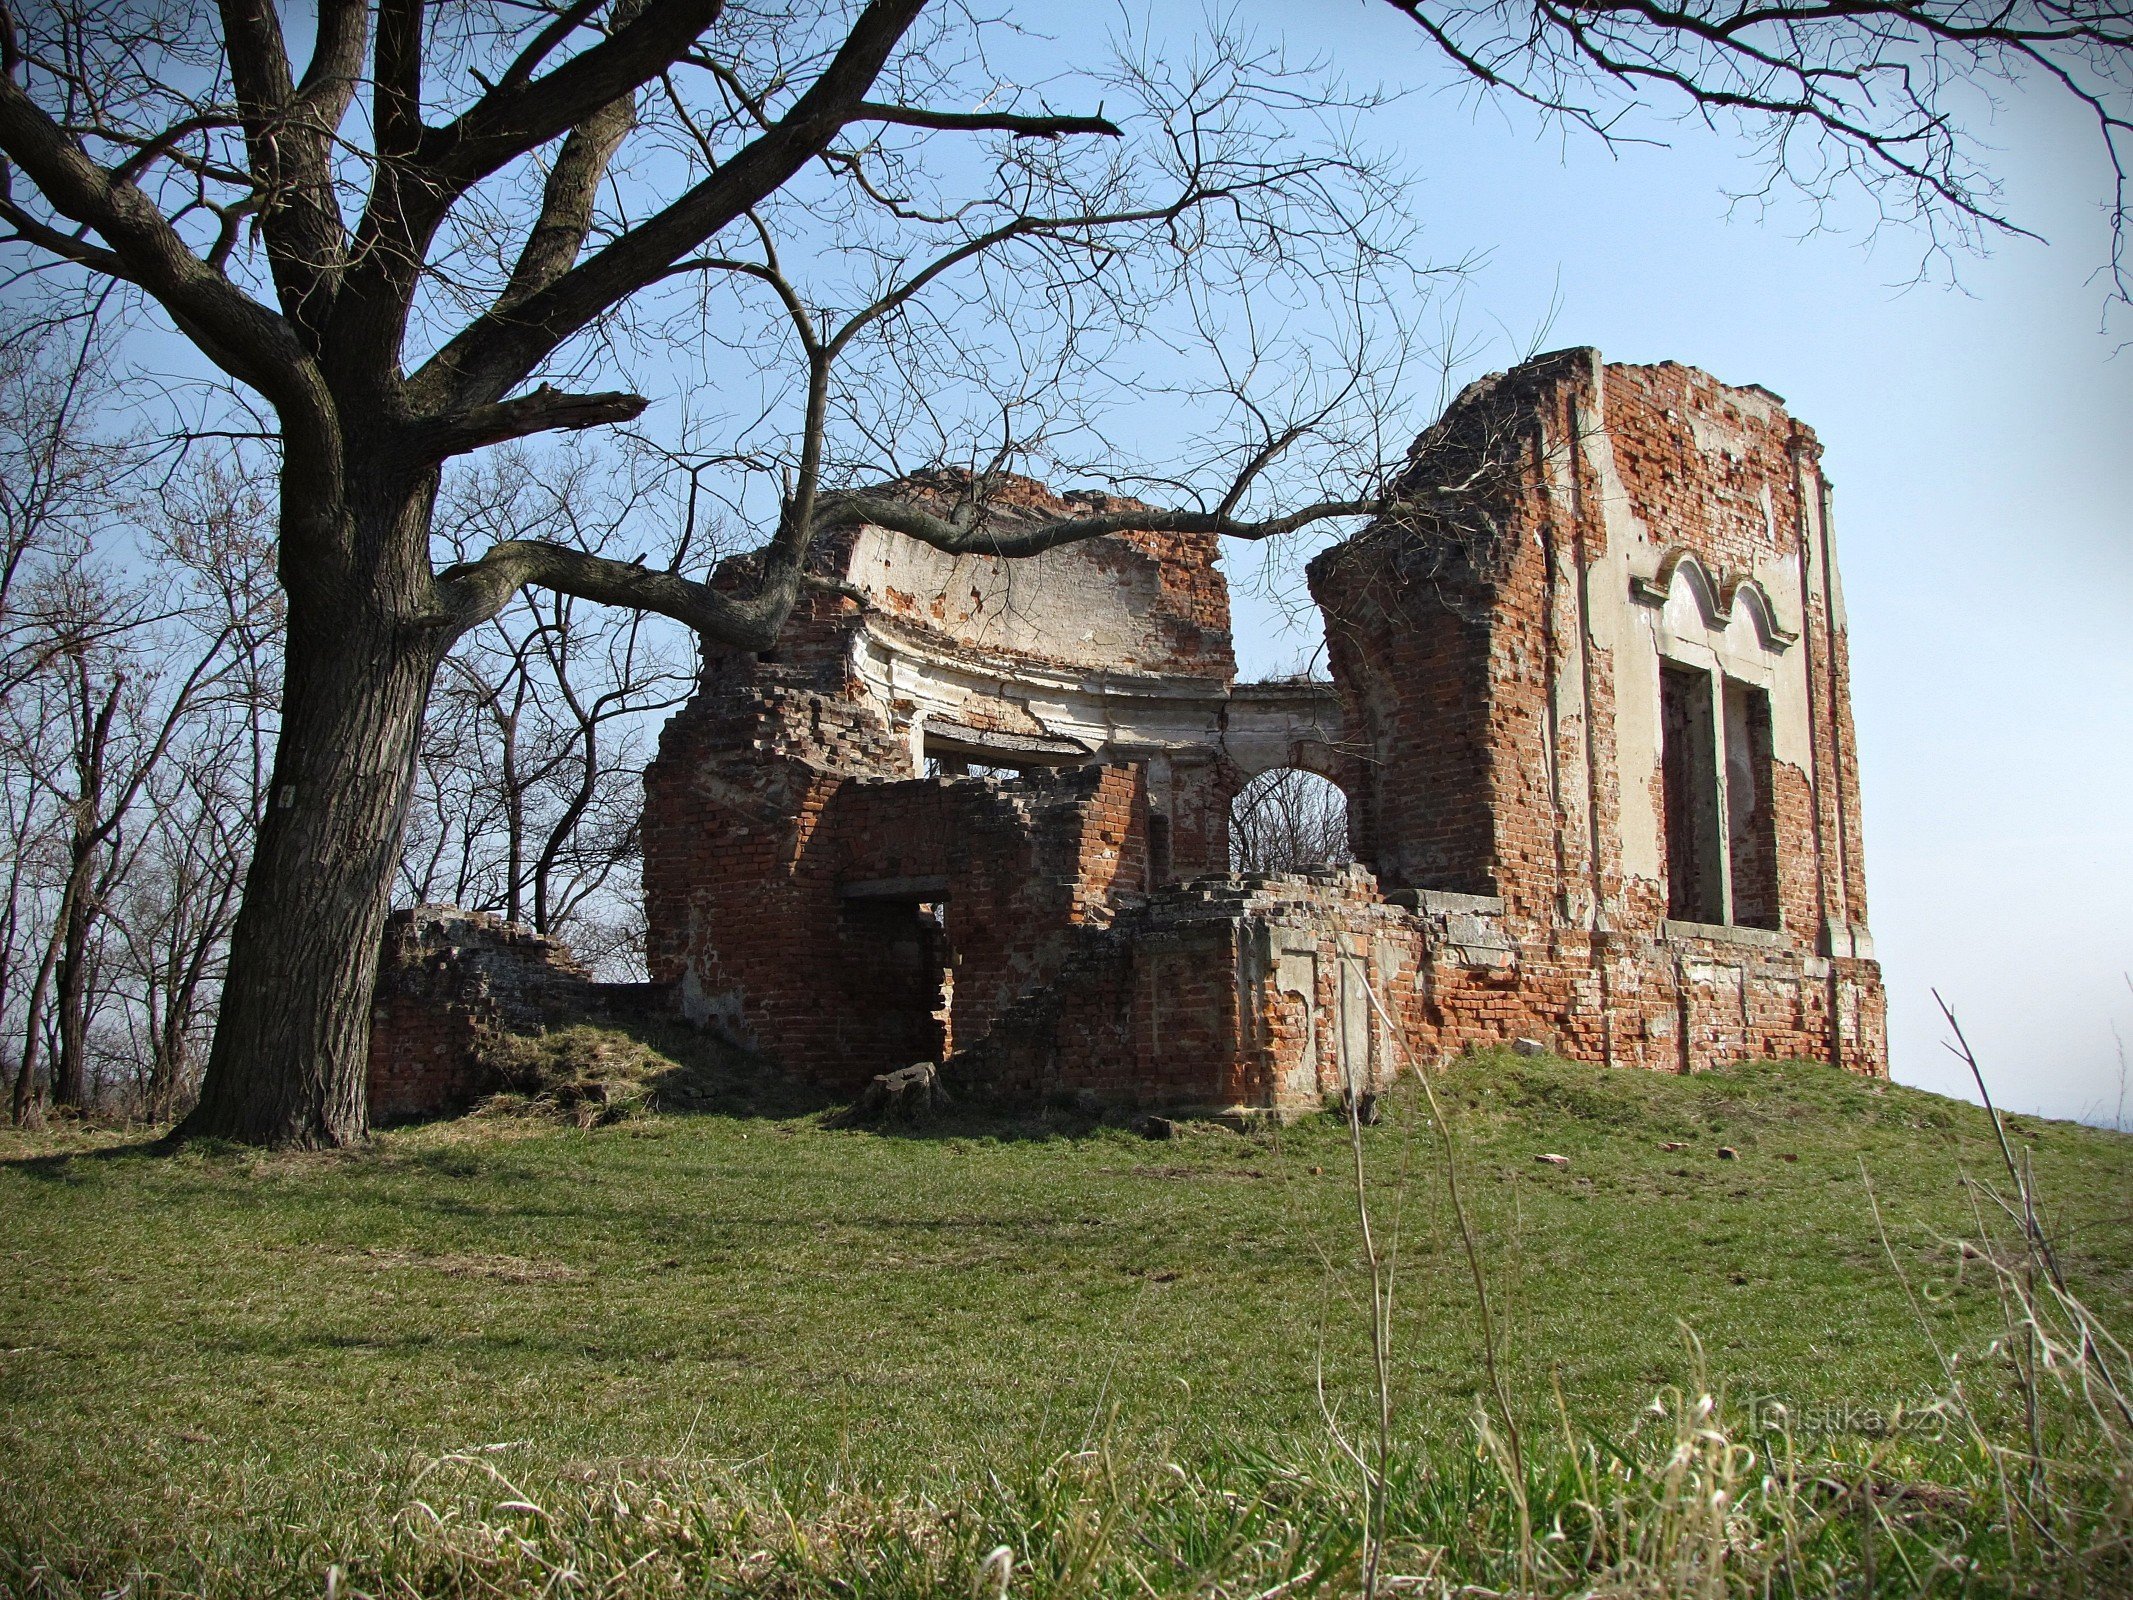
column 1716, row 597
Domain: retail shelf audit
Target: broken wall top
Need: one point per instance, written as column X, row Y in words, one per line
column 1664, row 457
column 1142, row 603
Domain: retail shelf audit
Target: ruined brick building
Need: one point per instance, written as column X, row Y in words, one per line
column 1589, row 706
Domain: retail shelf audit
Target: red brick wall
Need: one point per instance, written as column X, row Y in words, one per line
column 767, row 805
column 1488, row 655
column 1484, row 702
column 448, row 981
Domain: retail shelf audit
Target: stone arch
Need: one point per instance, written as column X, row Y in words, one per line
column 1719, row 599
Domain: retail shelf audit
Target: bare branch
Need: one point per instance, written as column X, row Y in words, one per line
column 246, row 339
column 501, row 348
column 1022, row 127
column 970, row 532
column 543, row 411
column 479, row 589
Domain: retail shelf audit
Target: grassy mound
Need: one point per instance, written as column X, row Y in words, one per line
column 740, row 1351
column 592, row 1074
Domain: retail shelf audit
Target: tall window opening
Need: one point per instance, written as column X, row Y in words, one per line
column 1288, row 820
column 1751, row 814
column 1695, row 883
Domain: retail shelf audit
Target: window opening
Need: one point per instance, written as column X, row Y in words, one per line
column 1695, row 887
column 962, row 767
column 1751, row 812
column 1288, row 820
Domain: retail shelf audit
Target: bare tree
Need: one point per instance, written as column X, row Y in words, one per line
column 1288, row 820
column 156, row 155
column 173, row 909
column 123, row 686
column 538, row 191
column 136, row 613
column 58, row 613
column 1873, row 100
column 527, row 784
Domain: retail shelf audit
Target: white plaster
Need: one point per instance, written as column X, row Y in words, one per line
column 1112, row 715
column 1716, row 438
column 1628, row 631
column 1091, row 604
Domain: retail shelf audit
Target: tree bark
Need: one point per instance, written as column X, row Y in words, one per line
column 291, row 1050
column 29, row 1099
column 70, row 1066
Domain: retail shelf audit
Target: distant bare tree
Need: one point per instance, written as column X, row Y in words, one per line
column 1288, row 820
column 528, row 786
column 122, row 679
column 138, row 624
column 211, row 546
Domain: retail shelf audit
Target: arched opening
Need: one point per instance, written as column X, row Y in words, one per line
column 1288, row 820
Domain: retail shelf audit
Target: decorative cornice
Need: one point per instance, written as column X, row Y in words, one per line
column 1715, row 598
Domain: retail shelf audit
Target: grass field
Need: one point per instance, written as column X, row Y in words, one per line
column 227, row 1371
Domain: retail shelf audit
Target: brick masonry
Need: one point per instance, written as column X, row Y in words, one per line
column 1533, row 826
column 1584, row 527
column 449, row 981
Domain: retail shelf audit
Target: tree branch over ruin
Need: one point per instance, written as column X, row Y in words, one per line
column 971, row 531
column 478, row 589
column 1857, row 93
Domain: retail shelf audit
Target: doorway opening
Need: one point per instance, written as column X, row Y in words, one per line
column 899, row 975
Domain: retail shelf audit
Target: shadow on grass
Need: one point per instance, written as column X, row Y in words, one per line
column 137, row 1144
column 598, row 1073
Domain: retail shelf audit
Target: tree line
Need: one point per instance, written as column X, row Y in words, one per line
column 140, row 658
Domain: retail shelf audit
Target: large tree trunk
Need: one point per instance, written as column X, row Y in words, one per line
column 292, row 1039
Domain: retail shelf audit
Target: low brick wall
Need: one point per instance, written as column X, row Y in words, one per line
column 448, row 981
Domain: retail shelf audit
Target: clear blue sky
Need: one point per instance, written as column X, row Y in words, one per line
column 1981, row 442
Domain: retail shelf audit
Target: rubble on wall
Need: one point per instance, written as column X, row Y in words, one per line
column 450, row 982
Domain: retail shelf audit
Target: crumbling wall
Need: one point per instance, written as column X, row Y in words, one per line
column 1134, row 602
column 450, row 981
column 1551, row 844
column 1583, row 529
column 803, row 896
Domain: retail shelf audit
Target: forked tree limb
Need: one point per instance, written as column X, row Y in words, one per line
column 503, row 347
column 476, row 590
column 251, row 342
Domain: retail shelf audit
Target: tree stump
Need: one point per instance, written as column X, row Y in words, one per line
column 909, row 1095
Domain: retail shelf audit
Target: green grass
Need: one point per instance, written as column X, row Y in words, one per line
column 210, row 1361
